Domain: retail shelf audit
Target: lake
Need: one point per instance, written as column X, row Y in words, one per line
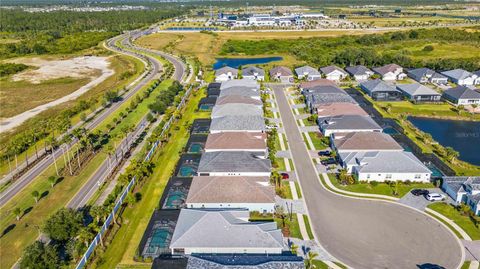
column 463, row 136
column 236, row 62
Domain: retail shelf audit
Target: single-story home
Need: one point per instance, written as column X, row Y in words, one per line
column 383, row 166
column 224, row 231
column 244, row 261
column 323, row 89
column 236, row 141
column 238, row 124
column 337, row 109
column 225, row 73
column 317, row 82
column 390, row 72
column 417, row 93
column 348, row 123
column 363, row 141
column 282, row 74
column 427, row 75
column 379, row 90
column 462, row 95
column 253, row 72
column 333, row 73
column 242, row 91
column 234, row 163
column 238, row 99
column 314, row 101
column 252, row 193
column 462, row 77
column 248, row 83
column 359, row 72
column 308, row 73
column 464, row 190
column 236, row 110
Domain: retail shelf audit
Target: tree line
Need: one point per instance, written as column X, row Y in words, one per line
column 366, row 49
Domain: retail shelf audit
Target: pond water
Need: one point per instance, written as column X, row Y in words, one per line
column 463, row 136
column 236, row 62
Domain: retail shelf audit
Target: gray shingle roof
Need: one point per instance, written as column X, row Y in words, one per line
column 462, row 92
column 248, row 83
column 226, row 70
column 236, row 110
column 377, row 85
column 358, row 70
column 386, row 162
column 416, row 89
column 457, row 74
column 197, row 228
column 328, row 98
column 382, row 70
column 253, row 71
column 423, row 72
column 324, row 89
column 365, row 141
column 349, row 122
column 306, row 70
column 238, row 123
column 282, row 70
column 239, row 90
column 329, row 69
column 233, row 161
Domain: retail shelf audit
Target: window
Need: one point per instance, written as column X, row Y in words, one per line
column 418, row 176
column 368, row 176
column 388, row 176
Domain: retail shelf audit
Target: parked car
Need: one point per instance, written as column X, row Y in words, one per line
column 328, row 161
column 324, row 153
column 418, row 192
column 285, row 176
column 435, row 197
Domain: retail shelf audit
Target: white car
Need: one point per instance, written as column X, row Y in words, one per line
column 435, row 197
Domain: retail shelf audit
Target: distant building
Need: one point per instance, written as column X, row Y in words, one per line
column 364, row 141
column 348, row 123
column 282, row 74
column 462, row 77
column 390, row 72
column 359, row 72
column 308, row 73
column 381, row 91
column 333, row 72
column 252, row 72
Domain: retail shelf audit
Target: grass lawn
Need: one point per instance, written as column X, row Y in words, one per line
column 120, row 64
column 466, row 265
column 319, row 264
column 299, row 191
column 463, row 221
column 288, row 191
column 281, row 164
column 291, row 228
column 379, row 188
column 319, row 141
column 123, row 247
column 307, row 225
column 292, row 167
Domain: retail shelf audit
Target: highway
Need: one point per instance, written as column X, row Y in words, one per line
column 44, row 163
column 101, row 174
column 365, row 233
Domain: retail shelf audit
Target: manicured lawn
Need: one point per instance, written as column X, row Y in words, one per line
column 426, row 110
column 291, row 228
column 281, row 164
column 299, row 191
column 307, row 225
column 379, row 188
column 466, row 265
column 292, row 167
column 319, row 141
column 319, row 264
column 463, row 221
column 136, row 219
column 288, row 192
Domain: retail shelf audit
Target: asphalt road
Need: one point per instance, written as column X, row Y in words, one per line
column 43, row 164
column 91, row 186
column 364, row 233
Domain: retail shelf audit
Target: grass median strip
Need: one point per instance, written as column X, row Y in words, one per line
column 308, row 227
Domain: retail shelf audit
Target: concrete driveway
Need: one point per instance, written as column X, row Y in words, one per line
column 365, row 233
column 420, row 202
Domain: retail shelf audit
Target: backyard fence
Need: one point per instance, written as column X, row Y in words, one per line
column 120, row 200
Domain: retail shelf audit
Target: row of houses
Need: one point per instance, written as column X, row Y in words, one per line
column 362, row 147
column 232, row 180
column 389, row 72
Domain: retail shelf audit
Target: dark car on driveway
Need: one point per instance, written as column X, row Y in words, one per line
column 328, row 161
column 324, row 153
column 285, row 176
column 419, row 192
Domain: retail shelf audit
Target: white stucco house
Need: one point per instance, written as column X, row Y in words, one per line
column 463, row 190
column 461, row 77
column 333, row 73
column 308, row 73
column 390, row 72
column 225, row 73
column 462, row 95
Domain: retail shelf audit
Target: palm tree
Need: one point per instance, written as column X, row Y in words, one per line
column 309, row 261
column 451, row 154
column 96, row 212
column 85, row 235
column 17, row 211
column 52, row 180
column 293, row 248
column 36, row 196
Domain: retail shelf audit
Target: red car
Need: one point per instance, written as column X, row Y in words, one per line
column 285, row 176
